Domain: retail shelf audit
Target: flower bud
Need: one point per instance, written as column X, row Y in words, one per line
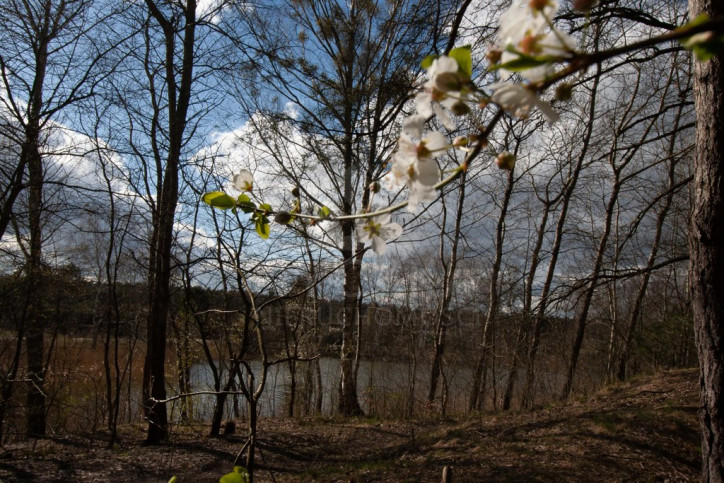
column 283, row 218
column 295, row 191
column 474, row 139
column 564, row 92
column 460, row 109
column 460, row 142
column 375, row 187
column 529, row 44
column 494, row 55
column 538, row 4
column 505, row 160
column 584, row 5
column 448, row 82
column 697, row 39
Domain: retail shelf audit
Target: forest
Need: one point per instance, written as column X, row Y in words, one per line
column 548, row 253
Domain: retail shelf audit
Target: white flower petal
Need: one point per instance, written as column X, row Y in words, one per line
column 444, row 64
column 518, row 100
column 419, row 193
column 443, row 117
column 391, row 231
column 361, row 234
column 383, row 219
column 422, row 101
column 436, row 142
column 427, row 172
column 244, row 180
column 545, row 107
column 519, row 21
column 413, row 125
column 379, row 246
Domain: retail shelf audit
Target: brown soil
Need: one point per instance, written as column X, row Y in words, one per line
column 645, row 430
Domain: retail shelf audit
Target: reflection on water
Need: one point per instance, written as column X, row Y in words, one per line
column 383, row 388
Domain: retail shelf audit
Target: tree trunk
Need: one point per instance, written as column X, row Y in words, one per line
column 35, row 338
column 637, row 309
column 348, row 401
column 477, row 393
column 179, row 97
column 442, row 315
column 706, row 248
column 526, row 324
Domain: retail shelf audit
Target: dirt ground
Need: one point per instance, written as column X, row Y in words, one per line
column 645, row 430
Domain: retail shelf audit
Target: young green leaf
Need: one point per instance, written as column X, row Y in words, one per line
column 239, row 475
column 699, row 20
column 261, row 223
column 324, row 212
column 523, row 62
column 704, row 45
column 427, row 61
column 265, row 207
column 245, row 203
column 218, row 199
column 464, row 58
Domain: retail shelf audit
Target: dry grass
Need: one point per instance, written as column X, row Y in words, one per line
column 646, row 430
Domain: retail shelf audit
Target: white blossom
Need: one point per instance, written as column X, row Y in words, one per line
column 377, row 231
column 526, row 28
column 413, row 165
column 525, row 17
column 518, row 100
column 444, row 75
column 413, row 125
column 554, row 44
column 243, row 180
column 443, row 89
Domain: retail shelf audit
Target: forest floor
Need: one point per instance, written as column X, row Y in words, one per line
column 644, row 430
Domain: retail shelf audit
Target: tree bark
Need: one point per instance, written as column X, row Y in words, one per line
column 35, row 338
column 706, row 247
column 179, row 97
column 348, row 400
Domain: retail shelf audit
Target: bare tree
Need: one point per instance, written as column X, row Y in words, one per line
column 345, row 71
column 442, row 315
column 48, row 64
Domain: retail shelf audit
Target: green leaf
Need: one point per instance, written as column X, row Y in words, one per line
column 218, row 199
column 265, row 207
column 704, row 52
column 700, row 19
column 261, row 224
column 464, row 58
column 239, row 475
column 172, row 480
column 704, row 45
column 427, row 61
column 324, row 212
column 245, row 203
column 523, row 62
